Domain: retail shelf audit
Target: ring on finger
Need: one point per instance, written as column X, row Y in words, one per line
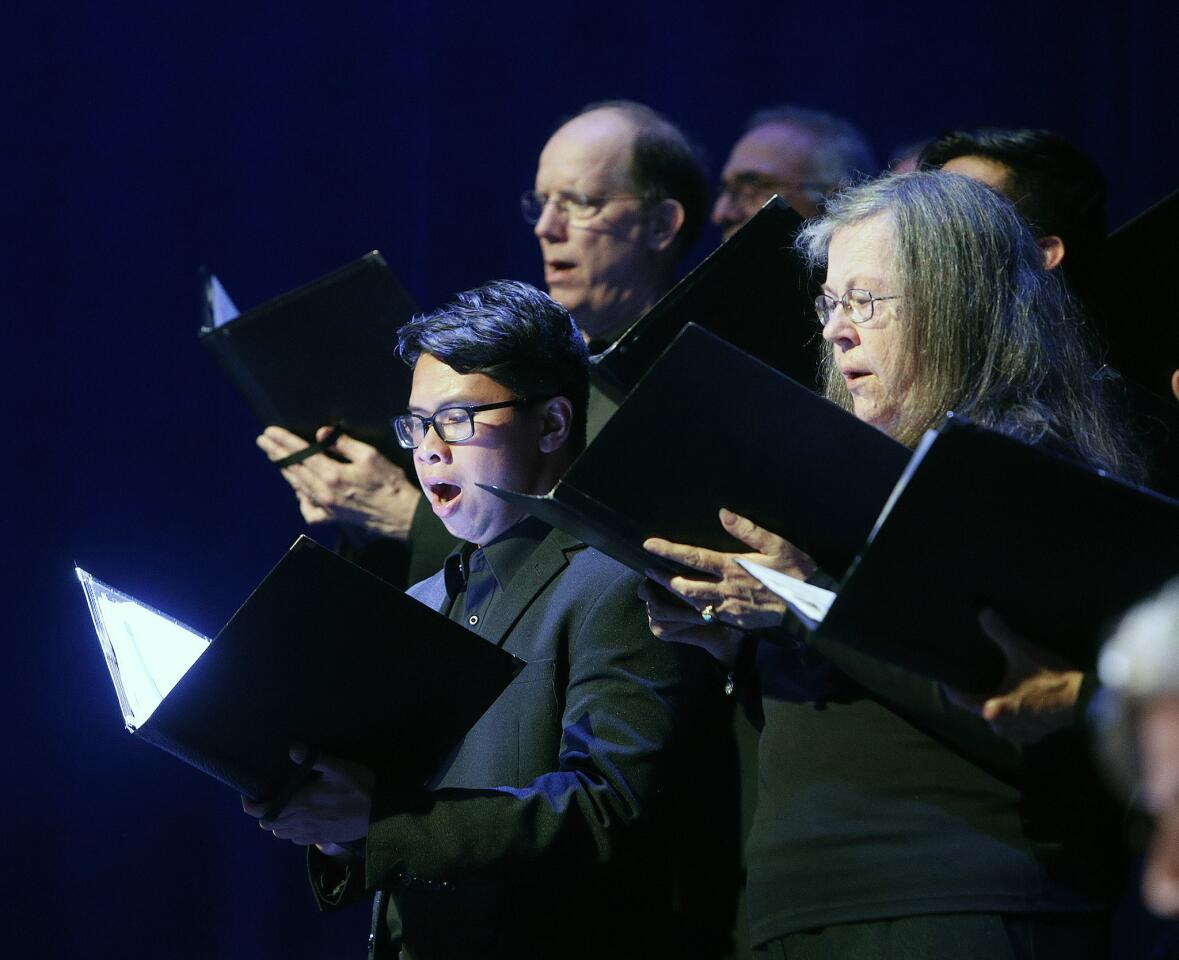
column 708, row 614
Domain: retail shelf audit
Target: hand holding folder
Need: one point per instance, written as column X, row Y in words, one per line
column 980, row 520
column 330, row 808
column 728, row 593
column 357, row 487
column 681, row 447
column 321, row 653
column 324, row 353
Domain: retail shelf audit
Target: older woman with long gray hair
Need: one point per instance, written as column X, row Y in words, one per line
column 890, row 822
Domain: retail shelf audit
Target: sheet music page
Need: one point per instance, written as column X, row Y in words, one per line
column 146, row 652
column 221, row 307
column 811, row 603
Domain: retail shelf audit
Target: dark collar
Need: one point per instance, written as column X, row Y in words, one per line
column 504, row 555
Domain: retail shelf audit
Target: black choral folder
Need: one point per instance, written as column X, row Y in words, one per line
column 325, row 354
column 326, row 654
column 1145, row 247
column 754, row 291
column 983, row 520
column 708, row 427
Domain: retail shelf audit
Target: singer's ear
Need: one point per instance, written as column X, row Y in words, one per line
column 1053, row 248
column 664, row 220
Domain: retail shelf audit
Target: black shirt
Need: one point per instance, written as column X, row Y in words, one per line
column 879, row 799
column 476, row 576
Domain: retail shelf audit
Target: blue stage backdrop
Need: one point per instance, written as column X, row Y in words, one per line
column 270, row 143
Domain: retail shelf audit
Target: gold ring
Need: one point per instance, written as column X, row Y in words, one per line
column 708, row 614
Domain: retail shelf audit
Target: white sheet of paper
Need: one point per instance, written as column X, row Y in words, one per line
column 221, row 307
column 146, row 652
column 808, row 601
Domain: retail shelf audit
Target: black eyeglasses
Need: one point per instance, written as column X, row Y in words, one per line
column 858, row 304
column 575, row 207
column 452, row 424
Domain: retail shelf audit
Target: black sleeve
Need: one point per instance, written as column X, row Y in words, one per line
column 334, row 884
column 617, row 719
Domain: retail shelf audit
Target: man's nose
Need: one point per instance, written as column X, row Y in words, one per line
column 725, row 212
column 432, row 449
column 551, row 225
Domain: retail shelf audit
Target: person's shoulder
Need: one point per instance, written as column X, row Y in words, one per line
column 592, row 573
column 588, row 561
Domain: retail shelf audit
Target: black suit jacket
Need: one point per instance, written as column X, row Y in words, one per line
column 550, row 831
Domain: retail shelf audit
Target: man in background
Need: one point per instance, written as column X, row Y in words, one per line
column 619, row 197
column 801, row 155
column 1055, row 187
column 1061, row 194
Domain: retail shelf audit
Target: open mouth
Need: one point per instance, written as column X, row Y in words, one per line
column 556, row 269
column 852, row 377
column 444, row 492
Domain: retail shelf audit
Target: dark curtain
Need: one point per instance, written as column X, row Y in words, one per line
column 270, row 143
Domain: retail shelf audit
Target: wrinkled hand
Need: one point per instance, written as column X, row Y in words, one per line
column 328, row 810
column 671, row 619
column 1038, row 692
column 737, row 598
column 368, row 491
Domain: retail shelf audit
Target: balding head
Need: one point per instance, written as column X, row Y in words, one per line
column 617, row 182
column 802, row 155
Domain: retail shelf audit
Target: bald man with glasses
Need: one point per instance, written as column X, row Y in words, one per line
column 801, row 155
column 619, row 196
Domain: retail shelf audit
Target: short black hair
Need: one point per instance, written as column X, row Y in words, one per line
column 665, row 165
column 514, row 334
column 1055, row 187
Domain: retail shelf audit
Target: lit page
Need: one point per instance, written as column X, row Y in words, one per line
column 811, row 603
column 221, row 307
column 146, row 652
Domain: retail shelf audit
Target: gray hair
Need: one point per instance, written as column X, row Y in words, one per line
column 1140, row 662
column 991, row 334
column 841, row 153
column 1141, row 659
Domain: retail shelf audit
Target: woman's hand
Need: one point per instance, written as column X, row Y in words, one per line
column 672, row 619
column 726, row 593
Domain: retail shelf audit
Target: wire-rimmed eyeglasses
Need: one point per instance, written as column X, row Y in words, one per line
column 858, row 304
column 575, row 207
